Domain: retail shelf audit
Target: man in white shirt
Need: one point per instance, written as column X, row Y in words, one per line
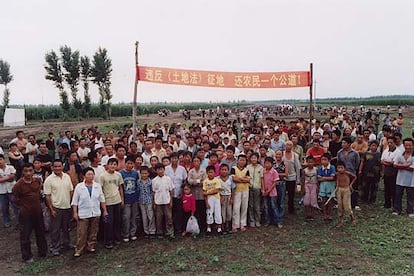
column 178, row 175
column 58, row 189
column 7, row 182
column 389, row 171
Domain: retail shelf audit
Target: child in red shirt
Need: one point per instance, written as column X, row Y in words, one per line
column 189, row 204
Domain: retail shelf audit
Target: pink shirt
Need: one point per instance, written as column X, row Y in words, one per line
column 270, row 177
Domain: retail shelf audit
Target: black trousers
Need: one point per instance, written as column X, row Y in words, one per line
column 178, row 215
column 291, row 190
column 389, row 190
column 27, row 224
column 201, row 215
column 57, row 225
column 112, row 228
column 355, row 192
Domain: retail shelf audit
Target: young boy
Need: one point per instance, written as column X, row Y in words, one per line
column 309, row 188
column 326, row 178
column 344, row 182
column 211, row 190
column 226, row 197
column 256, row 183
column 269, row 193
column 189, row 204
column 162, row 187
column 145, row 202
column 370, row 170
column 111, row 182
column 130, row 211
column 241, row 177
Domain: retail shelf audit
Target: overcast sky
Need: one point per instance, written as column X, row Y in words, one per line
column 359, row 48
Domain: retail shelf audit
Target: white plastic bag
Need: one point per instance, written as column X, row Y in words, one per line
column 192, row 226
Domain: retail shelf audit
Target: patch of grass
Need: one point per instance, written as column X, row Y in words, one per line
column 40, row 266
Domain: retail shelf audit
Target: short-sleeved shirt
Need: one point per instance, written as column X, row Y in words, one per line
column 111, row 182
column 270, row 177
column 130, row 186
column 178, row 177
column 144, row 191
column 326, row 172
column 197, row 187
column 311, row 176
column 88, row 200
column 240, row 187
column 212, row 184
column 6, row 187
column 59, row 188
column 404, row 177
column 162, row 186
column 256, row 175
column 389, row 156
column 226, row 186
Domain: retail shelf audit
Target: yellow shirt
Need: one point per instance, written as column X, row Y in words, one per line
column 241, row 187
column 110, row 186
column 212, row 184
column 59, row 189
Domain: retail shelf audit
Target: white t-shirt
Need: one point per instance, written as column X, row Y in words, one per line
column 162, row 186
column 104, row 160
column 6, row 187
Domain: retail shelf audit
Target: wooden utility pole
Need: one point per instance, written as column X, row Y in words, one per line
column 134, row 103
column 311, row 101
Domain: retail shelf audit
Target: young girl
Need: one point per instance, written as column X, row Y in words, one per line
column 309, row 188
column 189, row 205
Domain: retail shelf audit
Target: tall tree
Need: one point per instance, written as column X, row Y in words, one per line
column 101, row 76
column 5, row 78
column 71, row 74
column 85, row 77
column 54, row 73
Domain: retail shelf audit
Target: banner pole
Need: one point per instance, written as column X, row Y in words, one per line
column 311, row 101
column 134, row 103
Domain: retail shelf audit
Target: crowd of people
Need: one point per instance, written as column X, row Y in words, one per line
column 230, row 175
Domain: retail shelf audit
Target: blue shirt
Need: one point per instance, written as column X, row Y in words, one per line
column 277, row 145
column 145, row 191
column 130, row 186
column 326, row 172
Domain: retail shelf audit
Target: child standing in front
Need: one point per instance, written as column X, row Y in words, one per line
column 344, row 182
column 310, row 188
column 111, row 182
column 145, row 202
column 226, row 197
column 189, row 205
column 269, row 193
column 162, row 187
column 326, row 178
column 241, row 177
column 256, row 183
column 211, row 190
column 130, row 211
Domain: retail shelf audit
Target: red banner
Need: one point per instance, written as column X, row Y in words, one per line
column 224, row 79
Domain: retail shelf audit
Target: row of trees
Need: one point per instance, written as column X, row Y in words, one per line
column 67, row 69
column 53, row 112
column 5, row 78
